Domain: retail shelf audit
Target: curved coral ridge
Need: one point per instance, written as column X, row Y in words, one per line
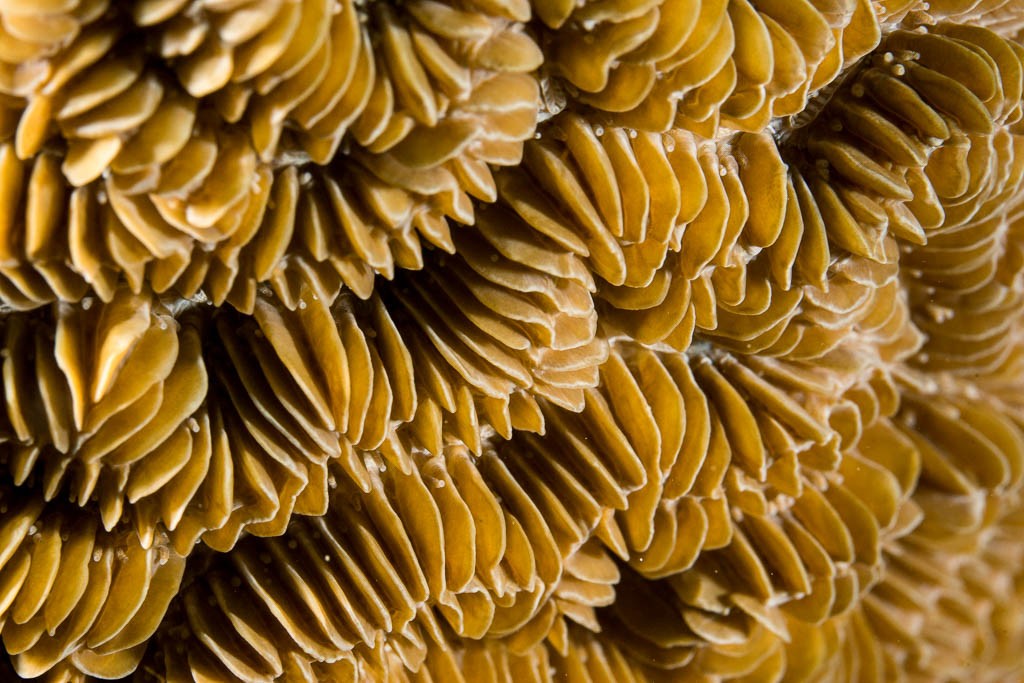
column 512, row 340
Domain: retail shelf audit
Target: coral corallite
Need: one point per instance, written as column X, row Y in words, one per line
column 512, row 341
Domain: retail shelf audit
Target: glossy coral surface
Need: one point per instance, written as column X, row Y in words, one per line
column 512, row 340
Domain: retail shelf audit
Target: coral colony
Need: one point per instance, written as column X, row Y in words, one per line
column 512, row 340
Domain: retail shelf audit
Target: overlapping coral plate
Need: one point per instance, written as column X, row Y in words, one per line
column 512, row 340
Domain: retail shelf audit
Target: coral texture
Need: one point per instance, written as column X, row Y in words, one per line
column 512, row 340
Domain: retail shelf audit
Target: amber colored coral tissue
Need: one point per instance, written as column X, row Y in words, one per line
column 512, row 340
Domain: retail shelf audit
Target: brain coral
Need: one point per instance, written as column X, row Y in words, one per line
column 512, row 340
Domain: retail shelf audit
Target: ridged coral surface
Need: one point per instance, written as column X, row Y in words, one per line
column 512, row 340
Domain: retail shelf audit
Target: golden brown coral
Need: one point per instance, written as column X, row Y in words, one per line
column 716, row 377
column 77, row 594
column 189, row 181
column 940, row 607
column 703, row 63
